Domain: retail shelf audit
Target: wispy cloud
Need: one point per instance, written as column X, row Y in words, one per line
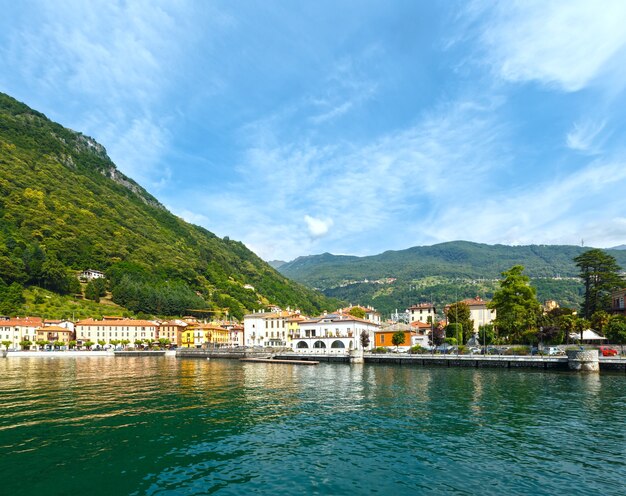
column 114, row 58
column 583, row 136
column 397, row 183
column 565, row 44
column 564, row 209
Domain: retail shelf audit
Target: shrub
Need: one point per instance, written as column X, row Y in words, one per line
column 417, row 349
column 380, row 349
column 517, row 350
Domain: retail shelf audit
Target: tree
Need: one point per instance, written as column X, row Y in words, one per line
column 397, row 338
column 88, row 344
column 516, row 305
column 600, row 274
column 125, row 342
column 25, row 344
column 72, row 344
column 101, row 342
column 459, row 313
column 58, row 344
column 357, row 312
column 163, row 342
column 438, row 336
column 6, row 344
column 95, row 289
column 455, row 331
column 599, row 320
column 365, row 339
column 41, row 343
column 486, row 334
column 616, row 330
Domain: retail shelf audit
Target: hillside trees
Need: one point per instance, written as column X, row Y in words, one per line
column 95, row 289
column 600, row 275
column 516, row 305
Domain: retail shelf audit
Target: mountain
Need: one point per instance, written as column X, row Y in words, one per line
column 276, row 264
column 620, row 247
column 441, row 273
column 65, row 207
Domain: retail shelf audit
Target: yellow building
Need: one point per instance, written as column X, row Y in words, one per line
column 205, row 335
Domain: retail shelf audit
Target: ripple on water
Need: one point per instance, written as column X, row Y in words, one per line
column 166, row 426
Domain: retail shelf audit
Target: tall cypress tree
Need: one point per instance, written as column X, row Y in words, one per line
column 601, row 275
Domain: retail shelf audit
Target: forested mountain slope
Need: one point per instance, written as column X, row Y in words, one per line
column 64, row 207
column 441, row 273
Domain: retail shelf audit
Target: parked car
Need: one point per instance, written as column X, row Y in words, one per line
column 474, row 350
column 607, row 351
column 554, row 350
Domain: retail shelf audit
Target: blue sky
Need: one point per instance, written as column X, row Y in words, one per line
column 347, row 127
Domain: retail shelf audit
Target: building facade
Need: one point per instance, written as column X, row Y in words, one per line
column 333, row 332
column 118, row 330
column 421, row 312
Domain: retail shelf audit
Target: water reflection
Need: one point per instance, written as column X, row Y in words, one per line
column 196, row 426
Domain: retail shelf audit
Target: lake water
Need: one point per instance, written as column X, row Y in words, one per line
column 171, row 426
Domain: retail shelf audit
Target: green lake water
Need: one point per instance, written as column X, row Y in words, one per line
column 170, row 426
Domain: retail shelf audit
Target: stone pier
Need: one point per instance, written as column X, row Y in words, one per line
column 356, row 356
column 583, row 360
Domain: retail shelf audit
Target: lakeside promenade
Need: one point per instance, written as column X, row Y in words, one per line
column 418, row 360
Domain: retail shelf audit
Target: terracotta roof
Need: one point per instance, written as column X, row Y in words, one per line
column 53, row 329
column 420, row 325
column 422, row 305
column 22, row 322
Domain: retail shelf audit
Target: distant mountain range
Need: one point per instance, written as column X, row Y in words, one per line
column 65, row 207
column 441, row 273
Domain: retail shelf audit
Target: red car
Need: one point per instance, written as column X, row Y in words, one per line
column 606, row 351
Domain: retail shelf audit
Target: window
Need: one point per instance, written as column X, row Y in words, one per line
column 382, row 338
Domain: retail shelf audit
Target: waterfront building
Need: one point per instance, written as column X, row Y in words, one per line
column 336, row 332
column 412, row 337
column 172, row 330
column 205, row 335
column 293, row 327
column 54, row 333
column 370, row 313
column 267, row 328
column 236, row 336
column 421, row 312
column 20, row 329
column 119, row 329
column 479, row 312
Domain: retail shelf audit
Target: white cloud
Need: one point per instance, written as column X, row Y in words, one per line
column 563, row 209
column 400, row 184
column 583, row 135
column 564, row 43
column 317, row 227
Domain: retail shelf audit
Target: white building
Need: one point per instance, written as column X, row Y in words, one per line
column 90, row 274
column 332, row 333
column 370, row 313
column 268, row 328
column 479, row 312
column 421, row 311
column 20, row 329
